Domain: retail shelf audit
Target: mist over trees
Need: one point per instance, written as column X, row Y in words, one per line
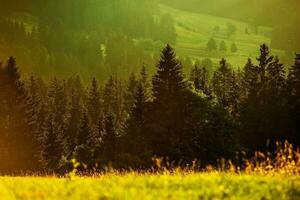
column 98, row 35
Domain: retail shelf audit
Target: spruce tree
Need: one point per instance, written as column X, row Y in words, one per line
column 199, row 76
column 276, row 78
column 221, row 83
column 130, row 91
column 52, row 145
column 223, row 46
column 85, row 139
column 18, row 127
column 234, row 95
column 134, row 142
column 294, row 98
column 170, row 99
column 212, row 45
column 169, row 81
column 263, row 114
column 110, row 95
column 94, row 102
column 145, row 82
column 58, row 112
column 73, row 123
column 109, row 138
column 250, row 79
column 36, row 112
column 233, row 48
column 265, row 59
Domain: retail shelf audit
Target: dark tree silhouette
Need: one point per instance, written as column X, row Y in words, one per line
column 221, row 83
column 294, row 96
column 19, row 136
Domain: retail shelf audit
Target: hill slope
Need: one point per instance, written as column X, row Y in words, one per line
column 195, row 30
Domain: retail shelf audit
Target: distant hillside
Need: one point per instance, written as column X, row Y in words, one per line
column 269, row 12
column 195, row 30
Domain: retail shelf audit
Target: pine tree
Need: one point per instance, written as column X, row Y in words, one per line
column 250, row 79
column 223, row 46
column 85, row 139
column 276, row 78
column 109, row 95
column 233, row 48
column 130, row 91
column 109, row 138
column 221, row 83
column 234, row 96
column 275, row 105
column 294, row 98
column 73, row 124
column 58, row 113
column 134, row 142
column 170, row 98
column 94, row 102
column 263, row 114
column 145, row 82
column 169, row 80
column 114, row 101
column 212, row 45
column 36, row 112
column 52, row 145
column 18, row 128
column 199, row 76
column 265, row 59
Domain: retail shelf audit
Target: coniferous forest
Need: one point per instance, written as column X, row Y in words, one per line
column 125, row 123
column 149, row 99
column 119, row 83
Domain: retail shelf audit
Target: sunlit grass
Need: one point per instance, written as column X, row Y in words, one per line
column 153, row 186
column 265, row 176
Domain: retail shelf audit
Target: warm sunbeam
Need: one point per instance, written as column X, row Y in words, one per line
column 149, row 99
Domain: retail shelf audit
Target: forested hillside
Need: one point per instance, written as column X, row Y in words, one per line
column 92, row 84
column 85, row 37
column 100, row 38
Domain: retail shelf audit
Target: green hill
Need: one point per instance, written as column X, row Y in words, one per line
column 195, row 30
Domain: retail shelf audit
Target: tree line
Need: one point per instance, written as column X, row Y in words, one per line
column 126, row 123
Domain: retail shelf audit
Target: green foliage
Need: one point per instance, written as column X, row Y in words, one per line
column 212, row 45
column 124, row 124
column 231, row 29
column 223, row 46
column 19, row 144
column 233, row 48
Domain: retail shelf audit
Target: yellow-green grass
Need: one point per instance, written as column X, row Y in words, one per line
column 194, row 31
column 152, row 186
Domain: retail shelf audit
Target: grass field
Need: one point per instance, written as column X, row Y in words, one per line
column 194, row 31
column 133, row 186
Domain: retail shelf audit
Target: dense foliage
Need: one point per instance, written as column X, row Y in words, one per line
column 126, row 123
column 106, row 37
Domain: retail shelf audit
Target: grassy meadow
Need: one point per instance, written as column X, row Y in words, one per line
column 152, row 186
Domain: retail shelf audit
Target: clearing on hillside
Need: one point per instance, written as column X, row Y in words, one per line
column 194, row 30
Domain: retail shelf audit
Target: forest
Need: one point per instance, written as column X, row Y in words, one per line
column 125, row 123
column 103, row 38
column 123, row 81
